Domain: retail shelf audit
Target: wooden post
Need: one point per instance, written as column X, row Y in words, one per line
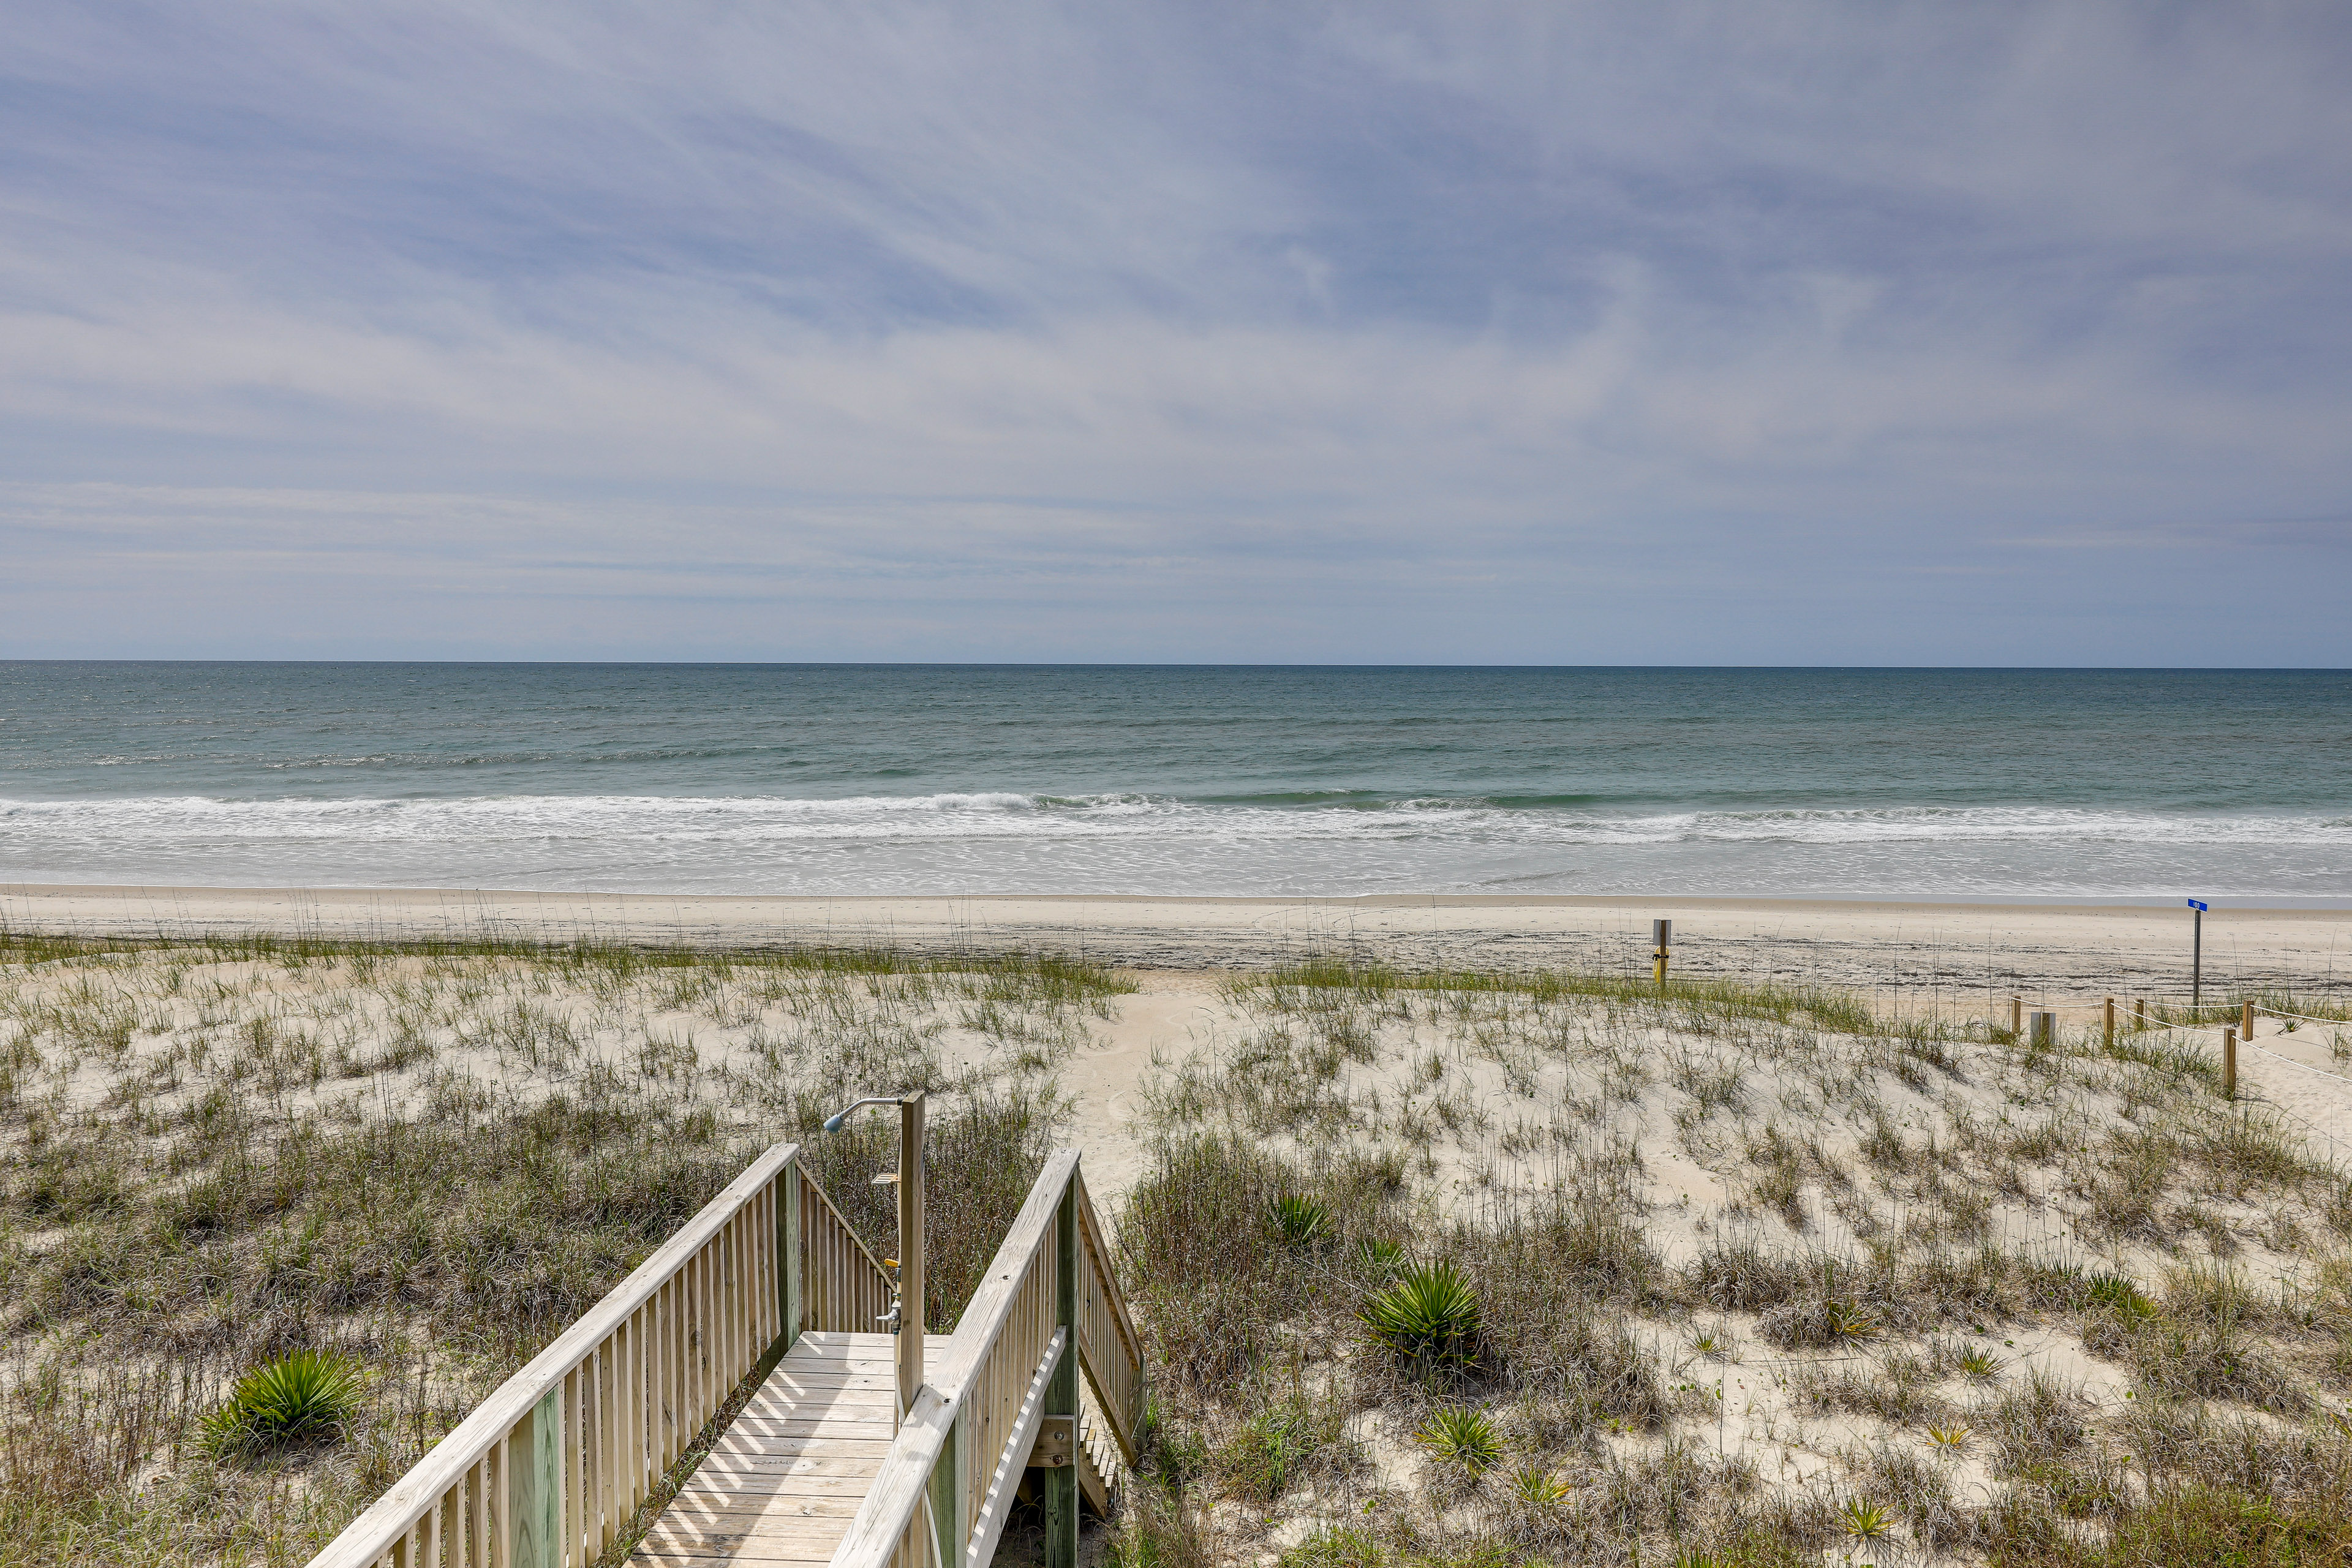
column 2229, row 1064
column 910, row 1249
column 2045, row 1031
column 2246, row 1021
column 2140, row 1013
column 2111, row 1023
column 2196, row 959
column 535, row 1486
column 1062, row 1394
column 791, row 1291
column 1661, row 932
column 2016, row 1016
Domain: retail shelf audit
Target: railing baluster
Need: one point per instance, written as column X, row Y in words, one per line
column 567, row 1470
column 674, row 1364
column 469, row 1514
column 740, row 1247
column 664, row 1419
column 496, row 1538
column 722, row 1327
column 769, row 1267
column 635, row 1451
column 734, row 1297
column 608, row 1432
column 694, row 1339
column 624, row 1411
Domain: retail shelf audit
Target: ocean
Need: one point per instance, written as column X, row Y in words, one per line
column 2118, row 784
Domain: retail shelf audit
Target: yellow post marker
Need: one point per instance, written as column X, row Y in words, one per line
column 2111, row 1023
column 2229, row 1064
column 1661, row 932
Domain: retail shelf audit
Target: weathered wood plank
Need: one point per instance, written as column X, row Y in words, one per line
column 702, row 1534
column 699, row 1557
column 779, row 1448
column 785, row 1481
column 805, row 1497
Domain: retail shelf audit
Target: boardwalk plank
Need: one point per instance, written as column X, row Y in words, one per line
column 783, row 1483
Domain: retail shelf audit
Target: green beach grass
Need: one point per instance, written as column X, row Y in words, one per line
column 1434, row 1267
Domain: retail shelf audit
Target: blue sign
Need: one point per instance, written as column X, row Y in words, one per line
column 2195, row 905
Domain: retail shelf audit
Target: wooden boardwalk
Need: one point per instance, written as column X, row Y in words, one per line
column 1037, row 1397
column 783, row 1483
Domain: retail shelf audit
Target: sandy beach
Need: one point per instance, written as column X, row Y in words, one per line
column 1966, row 952
column 1744, row 1138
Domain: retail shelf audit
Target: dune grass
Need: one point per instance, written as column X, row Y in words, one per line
column 1902, row 1200
column 405, row 1167
column 1305, row 985
column 1434, row 1268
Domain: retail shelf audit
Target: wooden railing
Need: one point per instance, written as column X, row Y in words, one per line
column 1109, row 1351
column 550, row 1470
column 844, row 1288
column 1006, row 1387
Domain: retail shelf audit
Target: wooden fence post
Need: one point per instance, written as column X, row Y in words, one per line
column 2045, row 1031
column 2229, row 1064
column 911, row 1251
column 2017, row 1015
column 2140, row 1013
column 1062, row 1394
column 2246, row 1020
column 2111, row 1023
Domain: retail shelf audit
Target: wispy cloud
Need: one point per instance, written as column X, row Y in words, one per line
column 1436, row 332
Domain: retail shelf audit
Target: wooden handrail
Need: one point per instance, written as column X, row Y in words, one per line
column 848, row 1287
column 993, row 1299
column 995, row 1503
column 1110, row 1354
column 1026, row 1318
column 548, row 1470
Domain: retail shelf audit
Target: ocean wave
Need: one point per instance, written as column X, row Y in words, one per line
column 981, row 814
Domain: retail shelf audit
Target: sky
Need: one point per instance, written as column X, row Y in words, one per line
column 1783, row 332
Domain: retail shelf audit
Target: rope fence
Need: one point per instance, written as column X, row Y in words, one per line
column 2306, row 1067
column 2263, row 1012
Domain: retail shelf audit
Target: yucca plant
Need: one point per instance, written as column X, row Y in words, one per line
column 1380, row 1259
column 1428, row 1314
column 307, row 1396
column 1463, row 1436
column 1948, row 1439
column 1537, row 1487
column 1865, row 1519
column 1978, row 1364
column 1301, row 1220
